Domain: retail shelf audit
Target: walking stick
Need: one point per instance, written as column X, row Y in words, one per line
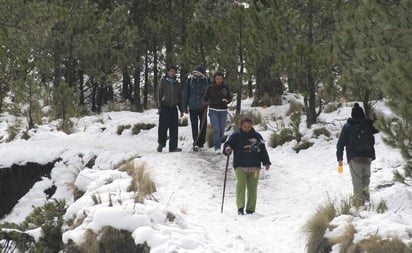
column 224, row 183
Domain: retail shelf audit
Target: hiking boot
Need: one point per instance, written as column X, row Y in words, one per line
column 159, row 148
column 249, row 212
column 176, row 150
column 240, row 211
column 195, row 148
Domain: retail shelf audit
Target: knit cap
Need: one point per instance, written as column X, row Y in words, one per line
column 357, row 112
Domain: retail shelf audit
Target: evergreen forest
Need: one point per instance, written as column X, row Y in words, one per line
column 78, row 57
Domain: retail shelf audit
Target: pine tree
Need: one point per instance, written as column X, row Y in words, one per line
column 376, row 56
column 357, row 54
column 395, row 78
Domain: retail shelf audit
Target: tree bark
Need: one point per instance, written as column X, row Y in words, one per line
column 136, row 91
column 146, row 79
column 268, row 87
column 126, row 85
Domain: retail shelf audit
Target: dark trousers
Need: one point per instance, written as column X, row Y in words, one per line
column 168, row 120
column 196, row 121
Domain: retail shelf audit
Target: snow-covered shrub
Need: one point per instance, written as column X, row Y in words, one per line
column 345, row 240
column 121, row 128
column 296, row 119
column 12, row 132
column 107, row 240
column 321, row 131
column 382, row 207
column 302, row 146
column 278, row 139
column 141, row 182
column 294, row 107
column 330, row 229
column 142, row 126
column 315, row 229
column 39, row 232
column 331, row 107
column 377, row 244
column 66, row 126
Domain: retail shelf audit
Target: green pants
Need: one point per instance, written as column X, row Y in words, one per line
column 246, row 182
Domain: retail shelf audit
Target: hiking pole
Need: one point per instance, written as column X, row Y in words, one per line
column 224, row 183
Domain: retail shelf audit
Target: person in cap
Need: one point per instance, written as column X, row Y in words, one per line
column 249, row 153
column 169, row 101
column 193, row 91
column 357, row 137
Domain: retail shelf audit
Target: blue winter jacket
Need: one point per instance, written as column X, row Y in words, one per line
column 193, row 93
column 344, row 141
column 248, row 149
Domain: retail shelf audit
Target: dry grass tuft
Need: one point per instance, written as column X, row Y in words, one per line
column 315, row 229
column 141, row 183
column 376, row 244
column 91, row 243
column 346, row 240
column 209, row 136
column 170, row 216
column 294, row 107
column 111, row 239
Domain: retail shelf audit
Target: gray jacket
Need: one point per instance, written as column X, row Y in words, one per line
column 169, row 93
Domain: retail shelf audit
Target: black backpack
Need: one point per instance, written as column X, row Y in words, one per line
column 361, row 138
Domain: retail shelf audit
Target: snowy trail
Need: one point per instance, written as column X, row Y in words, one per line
column 294, row 181
column 190, row 185
column 282, row 192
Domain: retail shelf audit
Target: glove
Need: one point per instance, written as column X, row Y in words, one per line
column 228, row 150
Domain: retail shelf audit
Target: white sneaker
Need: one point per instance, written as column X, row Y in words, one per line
column 217, row 151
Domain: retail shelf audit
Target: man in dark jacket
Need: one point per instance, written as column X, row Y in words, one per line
column 359, row 159
column 193, row 92
column 249, row 153
column 169, row 98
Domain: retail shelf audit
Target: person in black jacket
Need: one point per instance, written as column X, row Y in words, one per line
column 249, row 153
column 169, row 96
column 217, row 97
column 359, row 159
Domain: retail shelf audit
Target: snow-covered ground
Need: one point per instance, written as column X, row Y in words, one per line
column 190, row 185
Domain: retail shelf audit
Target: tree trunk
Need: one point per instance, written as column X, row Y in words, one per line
column 56, row 54
column 126, row 85
column 268, row 88
column 250, row 88
column 71, row 66
column 30, row 116
column 99, row 97
column 310, row 100
column 94, row 94
column 81, row 87
column 136, row 91
column 155, row 71
column 146, row 79
column 169, row 37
